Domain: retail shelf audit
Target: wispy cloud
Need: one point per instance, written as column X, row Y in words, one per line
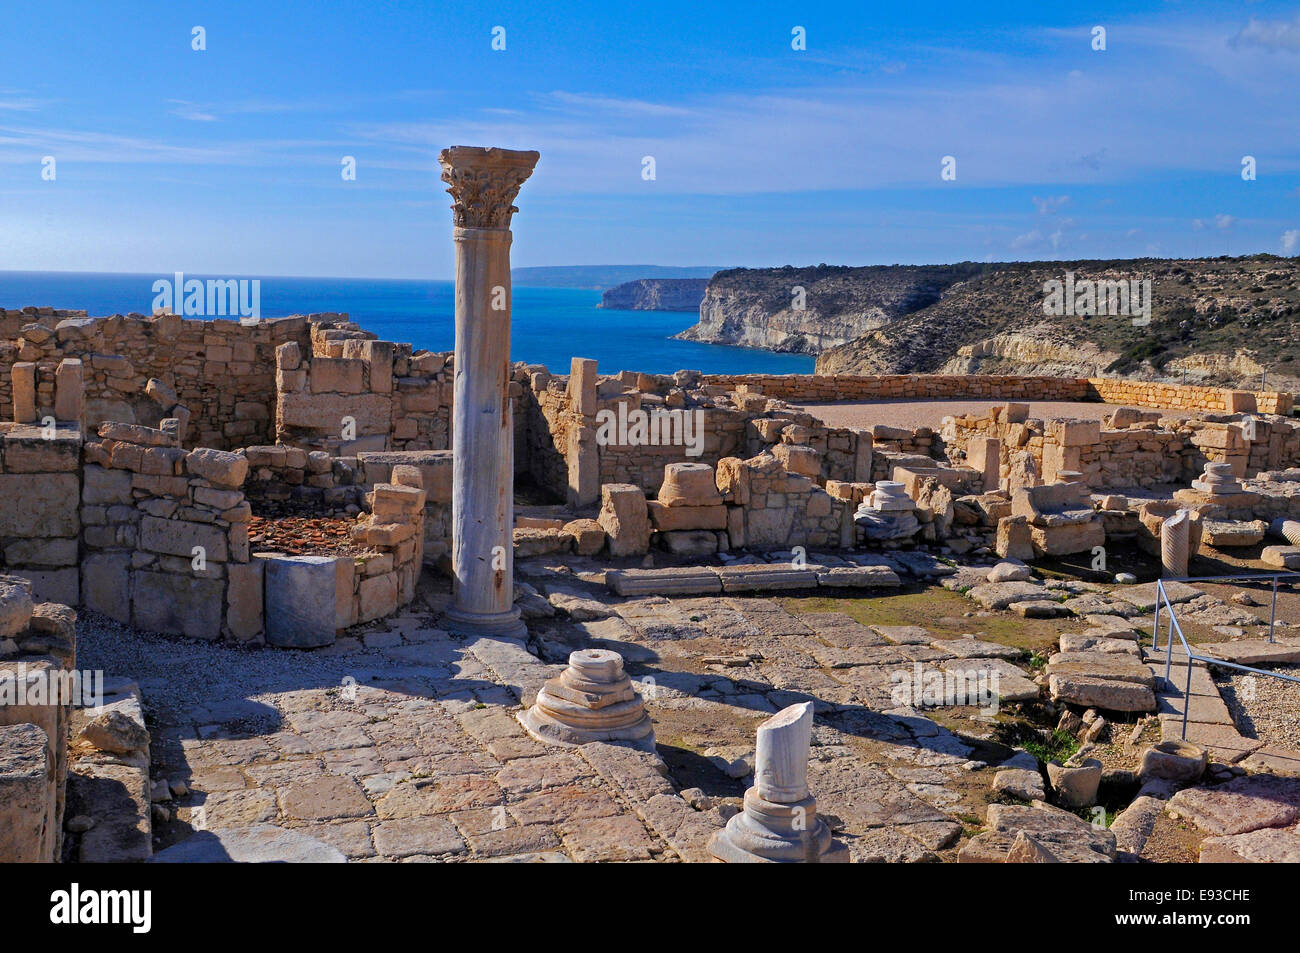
column 190, row 111
column 1276, row 35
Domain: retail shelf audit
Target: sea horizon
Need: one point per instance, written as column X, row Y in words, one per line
column 549, row 326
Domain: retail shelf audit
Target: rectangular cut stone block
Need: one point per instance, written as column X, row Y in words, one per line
column 27, row 796
column 763, row 578
column 23, row 376
column 582, row 386
column 244, row 600
column 69, row 391
column 44, row 506
column 303, row 599
column 105, row 584
column 983, row 454
column 31, row 450
column 53, row 585
column 178, row 538
column 1103, row 693
column 177, row 604
column 684, row 580
column 434, row 466
column 667, row 518
column 1077, row 433
column 337, row 376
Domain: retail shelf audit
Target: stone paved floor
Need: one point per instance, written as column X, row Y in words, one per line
column 401, row 743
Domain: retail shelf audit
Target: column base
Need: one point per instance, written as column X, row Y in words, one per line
column 765, row 832
column 505, row 623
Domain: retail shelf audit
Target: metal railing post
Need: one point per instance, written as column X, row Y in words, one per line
column 1272, row 617
column 1187, row 695
column 1155, row 636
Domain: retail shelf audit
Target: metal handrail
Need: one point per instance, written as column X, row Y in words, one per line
column 1163, row 597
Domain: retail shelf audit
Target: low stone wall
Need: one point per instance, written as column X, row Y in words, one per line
column 351, row 392
column 311, row 480
column 809, row 388
column 434, row 467
column 166, row 536
column 1131, row 450
column 222, row 370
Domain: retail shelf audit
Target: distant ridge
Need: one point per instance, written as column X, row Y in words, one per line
column 600, row 277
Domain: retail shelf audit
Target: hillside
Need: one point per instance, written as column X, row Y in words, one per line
column 759, row 307
column 656, row 294
column 1222, row 321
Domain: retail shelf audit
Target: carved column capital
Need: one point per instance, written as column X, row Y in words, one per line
column 484, row 183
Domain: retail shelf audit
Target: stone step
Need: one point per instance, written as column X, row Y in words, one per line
column 674, row 581
column 1255, row 652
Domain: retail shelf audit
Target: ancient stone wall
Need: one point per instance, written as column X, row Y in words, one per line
column 40, row 490
column 166, row 536
column 221, row 370
column 815, row 388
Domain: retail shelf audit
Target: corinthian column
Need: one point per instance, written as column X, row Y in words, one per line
column 483, row 183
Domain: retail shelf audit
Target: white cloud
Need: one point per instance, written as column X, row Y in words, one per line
column 190, row 111
column 1291, row 241
column 1224, row 221
column 1049, row 205
column 1281, row 35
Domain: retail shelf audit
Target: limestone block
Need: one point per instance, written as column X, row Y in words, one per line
column 39, row 507
column 180, row 537
column 690, row 542
column 244, row 600
column 177, row 604
column 1228, row 533
column 1068, row 539
column 27, row 796
column 1015, row 541
column 588, row 536
column 1077, row 433
column 377, row 597
column 625, row 518
column 23, row 376
column 668, row 518
column 308, row 599
column 732, row 480
column 53, row 585
column 802, row 460
column 105, row 584
column 337, row 376
column 582, row 386
column 1281, row 557
column 15, row 606
column 219, row 467
column 69, row 391
column 984, row 455
column 31, row 450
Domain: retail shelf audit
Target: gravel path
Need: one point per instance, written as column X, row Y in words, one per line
column 928, row 413
column 1264, row 708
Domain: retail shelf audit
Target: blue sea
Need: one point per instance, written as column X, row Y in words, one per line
column 550, row 325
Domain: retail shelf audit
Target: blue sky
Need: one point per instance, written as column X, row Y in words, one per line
column 227, row 160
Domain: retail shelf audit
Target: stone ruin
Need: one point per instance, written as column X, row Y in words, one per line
column 155, row 468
